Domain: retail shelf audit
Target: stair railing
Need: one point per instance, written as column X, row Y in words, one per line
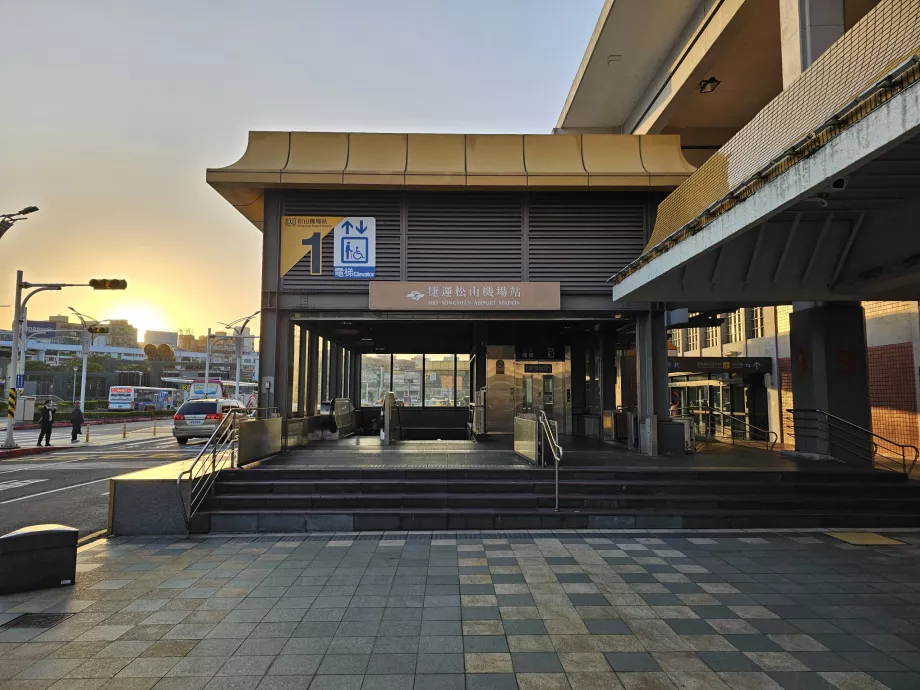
column 854, row 440
column 219, row 452
column 748, row 432
column 550, row 441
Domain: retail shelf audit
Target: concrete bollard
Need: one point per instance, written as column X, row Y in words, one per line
column 124, row 430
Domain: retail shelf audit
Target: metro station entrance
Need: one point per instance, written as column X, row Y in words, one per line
column 440, row 372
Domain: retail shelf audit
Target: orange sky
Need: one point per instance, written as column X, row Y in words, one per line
column 113, row 111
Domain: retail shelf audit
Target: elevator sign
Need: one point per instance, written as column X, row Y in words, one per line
column 355, row 248
column 354, row 245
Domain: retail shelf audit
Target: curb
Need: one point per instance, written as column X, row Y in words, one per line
column 93, row 422
column 21, row 452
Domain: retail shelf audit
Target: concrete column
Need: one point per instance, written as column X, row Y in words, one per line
column 652, row 377
column 830, row 373
column 324, row 372
column 807, row 29
column 356, row 379
column 284, row 358
column 608, row 373
column 579, row 372
column 627, row 391
column 269, row 327
column 312, row 373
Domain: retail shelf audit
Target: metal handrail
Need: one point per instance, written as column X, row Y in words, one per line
column 554, row 448
column 772, row 438
column 213, row 457
column 857, row 439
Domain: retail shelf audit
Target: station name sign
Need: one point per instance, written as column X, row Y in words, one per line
column 732, row 365
column 464, row 296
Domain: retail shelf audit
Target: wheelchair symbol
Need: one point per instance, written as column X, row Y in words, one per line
column 354, row 250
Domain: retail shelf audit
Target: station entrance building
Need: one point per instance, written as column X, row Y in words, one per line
column 486, row 267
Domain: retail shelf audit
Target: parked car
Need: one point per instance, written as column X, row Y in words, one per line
column 200, row 418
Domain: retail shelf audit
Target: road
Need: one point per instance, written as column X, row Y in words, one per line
column 69, row 485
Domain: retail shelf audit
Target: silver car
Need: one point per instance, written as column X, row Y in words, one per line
column 199, row 418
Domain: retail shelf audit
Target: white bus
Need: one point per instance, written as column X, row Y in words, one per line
column 193, row 389
column 140, row 398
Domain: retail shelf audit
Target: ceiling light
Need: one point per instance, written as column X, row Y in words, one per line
column 709, row 85
column 614, row 58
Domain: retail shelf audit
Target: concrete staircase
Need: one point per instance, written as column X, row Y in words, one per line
column 291, row 500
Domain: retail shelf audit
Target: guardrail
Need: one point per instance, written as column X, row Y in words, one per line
column 219, row 452
column 736, row 425
column 835, row 434
column 550, row 441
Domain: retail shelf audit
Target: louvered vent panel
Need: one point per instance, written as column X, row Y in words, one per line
column 384, row 206
column 581, row 239
column 464, row 235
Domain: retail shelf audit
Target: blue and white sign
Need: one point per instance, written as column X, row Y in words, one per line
column 355, row 248
column 20, row 380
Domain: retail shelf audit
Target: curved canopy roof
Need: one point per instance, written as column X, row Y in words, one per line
column 333, row 160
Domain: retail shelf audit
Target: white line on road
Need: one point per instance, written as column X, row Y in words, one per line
column 43, row 466
column 18, row 483
column 53, row 491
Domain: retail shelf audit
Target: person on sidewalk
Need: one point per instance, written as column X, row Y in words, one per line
column 76, row 421
column 45, row 422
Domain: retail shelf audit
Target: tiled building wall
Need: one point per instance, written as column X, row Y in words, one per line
column 893, row 392
column 881, row 308
column 785, row 399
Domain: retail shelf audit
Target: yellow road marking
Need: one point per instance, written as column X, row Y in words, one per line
column 864, row 538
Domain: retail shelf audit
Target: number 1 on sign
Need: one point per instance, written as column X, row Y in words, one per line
column 315, row 244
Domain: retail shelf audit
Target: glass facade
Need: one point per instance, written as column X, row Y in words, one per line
column 756, row 329
column 735, row 327
column 463, row 380
column 439, row 380
column 407, row 379
column 375, row 378
column 693, row 338
column 429, row 380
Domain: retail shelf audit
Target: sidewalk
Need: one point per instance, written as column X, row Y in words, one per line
column 586, row 610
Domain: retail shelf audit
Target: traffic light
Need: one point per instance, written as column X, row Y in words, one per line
column 108, row 284
column 97, row 329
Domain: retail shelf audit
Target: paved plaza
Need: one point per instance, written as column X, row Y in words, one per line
column 587, row 610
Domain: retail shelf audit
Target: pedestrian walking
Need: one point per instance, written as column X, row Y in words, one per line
column 76, row 421
column 46, row 422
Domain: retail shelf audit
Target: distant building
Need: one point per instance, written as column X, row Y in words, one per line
column 121, row 334
column 188, row 342
column 170, row 338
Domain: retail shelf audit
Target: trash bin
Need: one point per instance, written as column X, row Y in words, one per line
column 38, row 557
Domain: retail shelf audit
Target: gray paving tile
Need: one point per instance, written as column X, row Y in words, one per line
column 344, row 664
column 439, row 664
column 295, row 665
column 491, row 681
column 631, row 662
column 392, row 664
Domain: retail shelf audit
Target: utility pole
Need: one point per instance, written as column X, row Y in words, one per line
column 207, row 362
column 11, row 382
column 87, row 341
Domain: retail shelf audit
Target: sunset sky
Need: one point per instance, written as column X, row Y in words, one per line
column 112, row 110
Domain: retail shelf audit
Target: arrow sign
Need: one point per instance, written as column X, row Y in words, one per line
column 348, row 226
column 361, row 226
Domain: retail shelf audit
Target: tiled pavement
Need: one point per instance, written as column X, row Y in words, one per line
column 448, row 611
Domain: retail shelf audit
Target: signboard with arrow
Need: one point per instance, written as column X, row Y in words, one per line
column 732, row 365
column 355, row 255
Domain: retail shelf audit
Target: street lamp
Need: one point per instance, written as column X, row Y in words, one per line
column 7, row 219
column 238, row 338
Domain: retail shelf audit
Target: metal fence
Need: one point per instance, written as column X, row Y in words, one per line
column 870, row 64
